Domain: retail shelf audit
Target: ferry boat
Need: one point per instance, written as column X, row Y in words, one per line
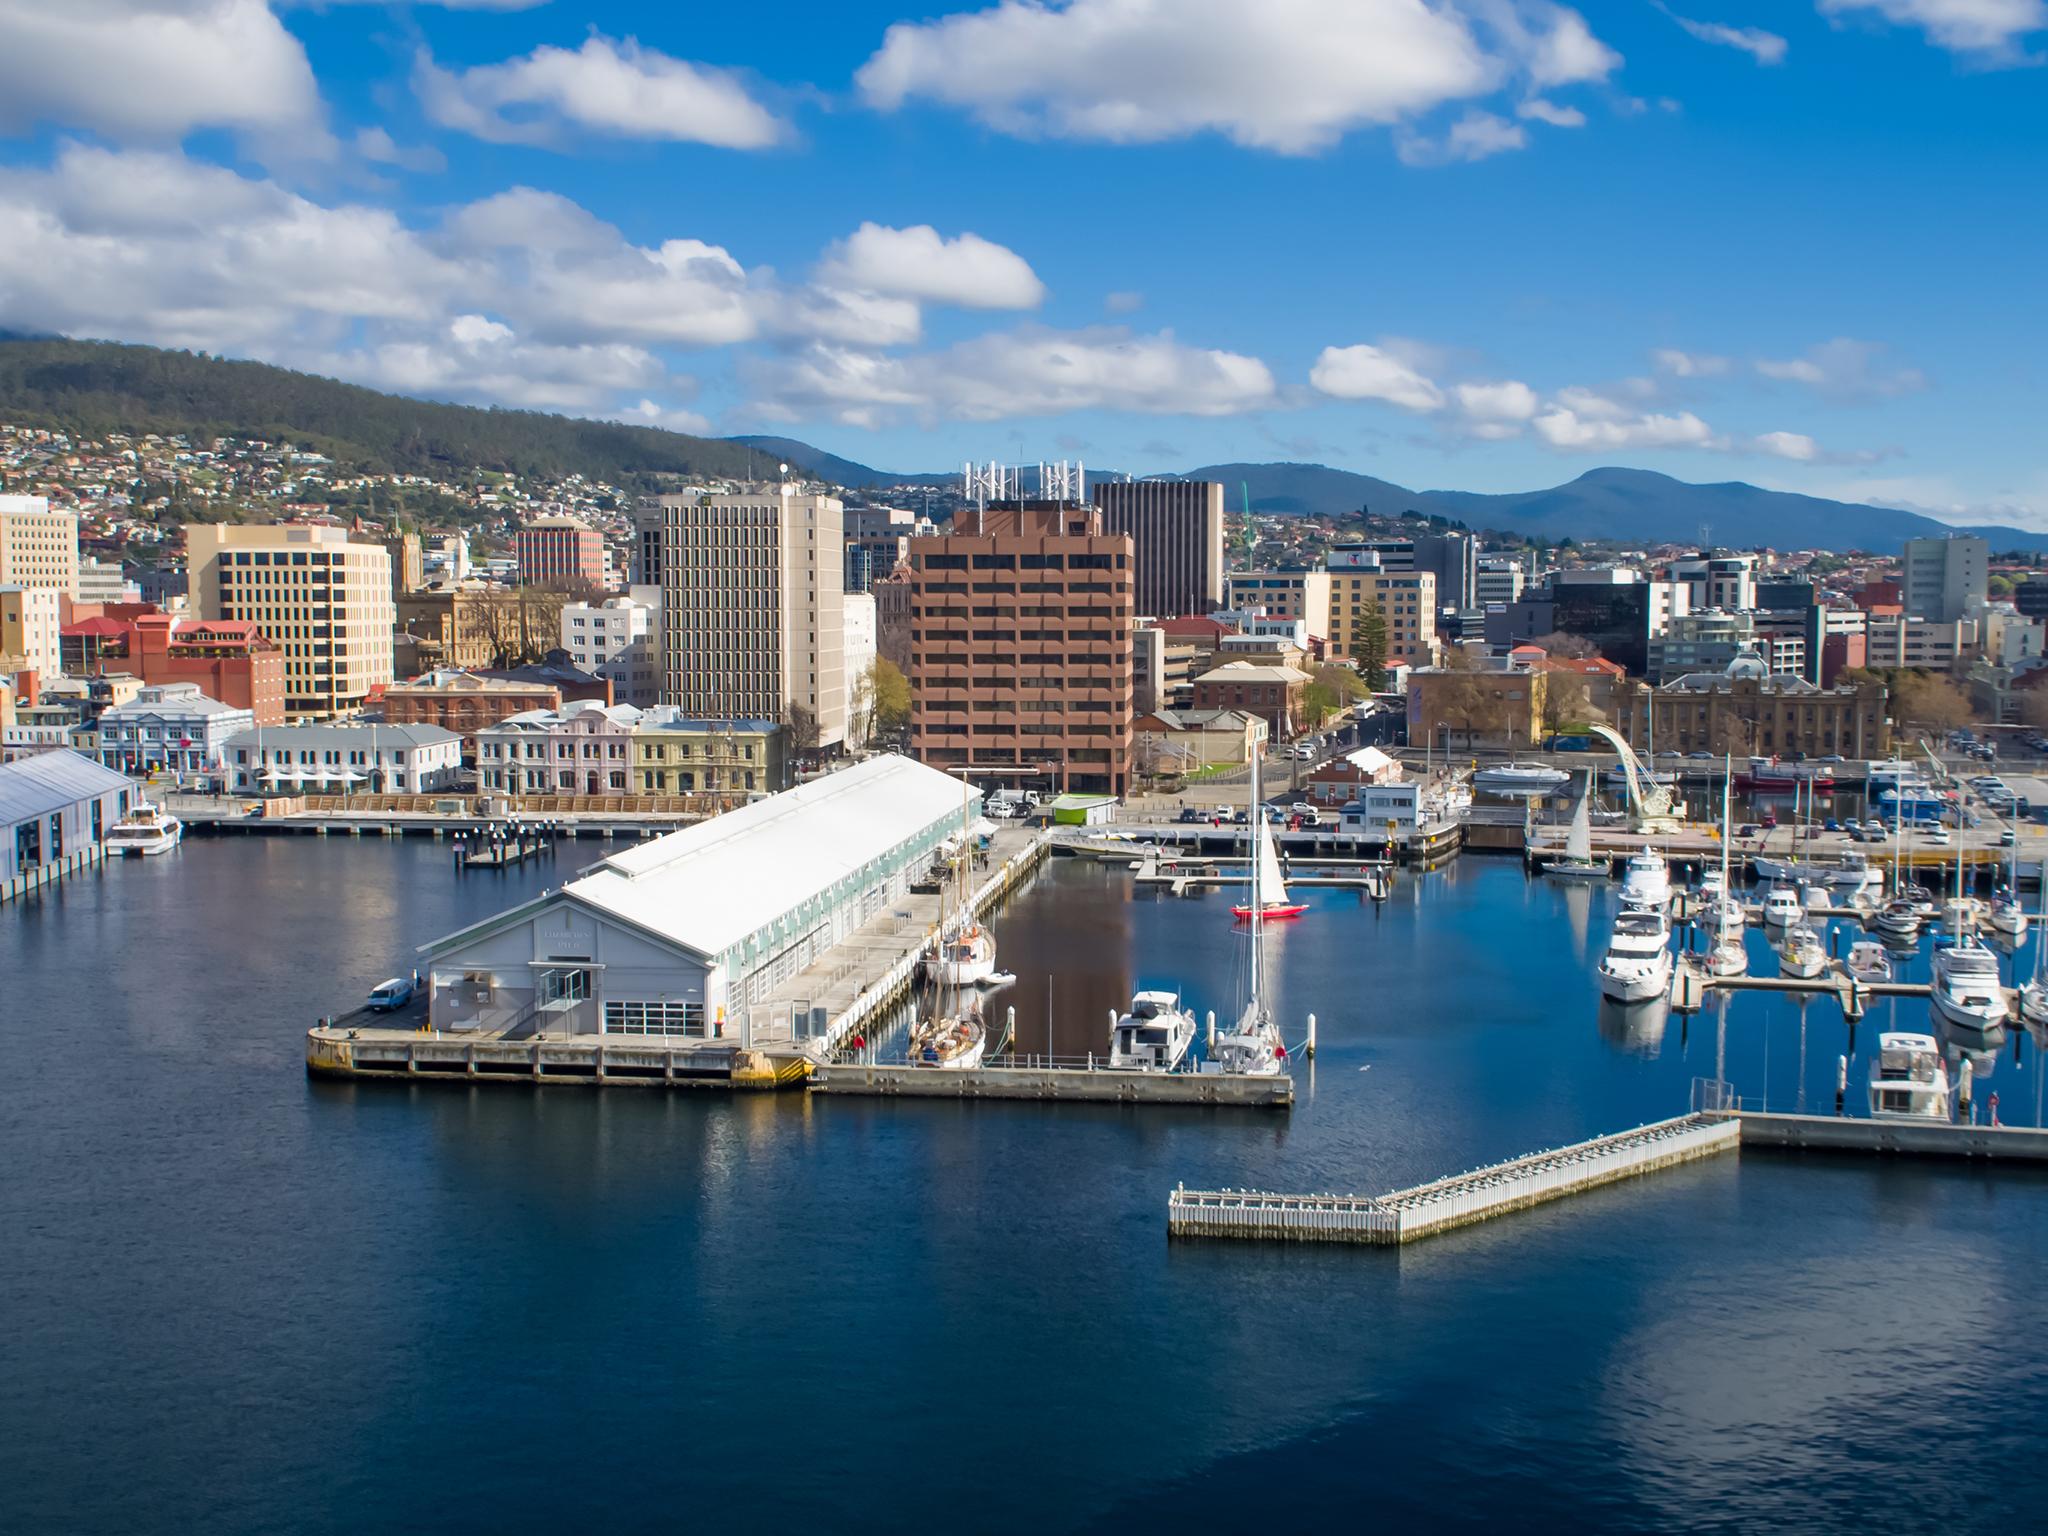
column 144, row 831
column 1909, row 1080
column 1637, row 965
column 1520, row 780
column 1868, row 962
column 1154, row 1036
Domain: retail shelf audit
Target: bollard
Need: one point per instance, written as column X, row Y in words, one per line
column 1841, row 1082
column 1963, row 1101
column 1311, row 1037
column 1212, row 1031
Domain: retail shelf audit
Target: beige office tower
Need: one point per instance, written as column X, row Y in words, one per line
column 322, row 598
column 752, row 621
column 38, row 547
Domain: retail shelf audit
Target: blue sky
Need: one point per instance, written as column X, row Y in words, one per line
column 1483, row 244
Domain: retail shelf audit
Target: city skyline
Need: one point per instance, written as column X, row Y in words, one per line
column 1151, row 237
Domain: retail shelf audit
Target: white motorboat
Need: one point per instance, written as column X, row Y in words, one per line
column 1578, row 862
column 1898, row 919
column 145, row 831
column 1868, row 962
column 1728, row 957
column 1646, row 882
column 967, row 957
column 1803, row 953
column 2034, row 995
column 1965, row 989
column 2005, row 913
column 1909, row 1080
column 1713, row 884
column 1520, row 780
column 1252, row 1045
column 1637, row 965
column 1154, row 1036
column 1851, row 872
column 1782, row 907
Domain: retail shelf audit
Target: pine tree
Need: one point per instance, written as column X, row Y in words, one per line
column 1369, row 649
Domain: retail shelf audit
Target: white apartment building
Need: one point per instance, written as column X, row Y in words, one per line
column 32, row 629
column 1303, row 595
column 322, row 597
column 860, row 634
column 618, row 639
column 38, row 547
column 103, row 581
column 1944, row 579
column 753, row 622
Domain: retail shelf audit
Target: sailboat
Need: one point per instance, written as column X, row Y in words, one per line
column 1964, row 988
column 953, row 1034
column 1252, row 1046
column 1578, row 862
column 2007, row 915
column 2034, row 995
column 1269, row 890
column 1725, row 920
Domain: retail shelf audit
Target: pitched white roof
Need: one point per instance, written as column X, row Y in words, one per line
column 709, row 886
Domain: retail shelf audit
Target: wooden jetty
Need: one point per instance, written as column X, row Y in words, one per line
column 1409, row 1214
column 1070, row 1084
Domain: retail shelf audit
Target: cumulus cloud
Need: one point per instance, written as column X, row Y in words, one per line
column 1539, row 110
column 1691, row 365
column 378, row 147
column 1507, row 400
column 1472, row 137
column 1370, row 373
column 614, row 88
column 1765, row 47
column 1988, row 31
column 1291, row 76
column 1845, row 369
column 479, row 359
column 920, row 263
column 1562, row 427
column 155, row 69
column 1787, row 445
column 1028, row 372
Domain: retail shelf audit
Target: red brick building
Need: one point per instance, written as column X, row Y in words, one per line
column 559, row 552
column 1273, row 693
column 230, row 660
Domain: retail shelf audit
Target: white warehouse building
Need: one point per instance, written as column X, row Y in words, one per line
column 684, row 934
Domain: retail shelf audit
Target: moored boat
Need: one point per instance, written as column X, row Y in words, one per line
column 1908, row 1079
column 1802, row 954
column 146, row 830
column 1520, row 780
column 1637, row 965
column 1154, row 1035
column 1868, row 962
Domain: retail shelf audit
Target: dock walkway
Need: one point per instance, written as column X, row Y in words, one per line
column 1075, row 1084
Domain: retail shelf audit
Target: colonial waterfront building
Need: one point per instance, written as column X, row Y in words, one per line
column 674, row 754
column 345, row 759
column 691, row 934
column 1748, row 710
column 584, row 748
column 170, row 728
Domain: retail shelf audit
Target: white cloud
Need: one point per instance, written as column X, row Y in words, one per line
column 478, row 359
column 1845, row 369
column 1292, row 76
column 1690, row 365
column 1787, row 445
column 1472, row 137
column 1369, row 373
column 1562, row 427
column 920, row 263
column 1029, row 372
column 1508, row 400
column 1539, row 110
column 831, row 314
column 155, row 69
column 1765, row 47
column 378, row 147
column 614, row 88
column 1123, row 301
column 1989, row 30
column 647, row 413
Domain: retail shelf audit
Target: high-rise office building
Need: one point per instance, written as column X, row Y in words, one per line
column 559, row 551
column 1176, row 529
column 1407, row 603
column 322, row 598
column 38, row 547
column 1945, row 579
column 877, row 540
column 1021, row 648
column 752, row 620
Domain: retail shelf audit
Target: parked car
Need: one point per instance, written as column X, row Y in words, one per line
column 1192, row 813
column 1831, row 825
column 2007, row 838
column 1748, row 829
column 1937, row 834
column 1674, row 756
column 390, row 996
column 1702, row 757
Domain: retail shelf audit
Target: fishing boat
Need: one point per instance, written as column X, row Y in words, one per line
column 145, row 831
column 1269, row 890
column 1578, row 862
column 1868, row 962
column 1637, row 965
column 1520, row 780
column 1646, row 882
column 1802, row 954
column 1252, row 1045
column 1782, row 906
column 1908, row 1079
column 1153, row 1036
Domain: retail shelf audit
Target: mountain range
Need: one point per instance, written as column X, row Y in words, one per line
column 94, row 387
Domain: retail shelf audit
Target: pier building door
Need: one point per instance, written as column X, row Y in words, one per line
column 561, row 994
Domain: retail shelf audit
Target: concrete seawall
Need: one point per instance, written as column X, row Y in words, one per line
column 1074, row 1084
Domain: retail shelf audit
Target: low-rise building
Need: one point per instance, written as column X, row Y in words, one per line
column 692, row 933
column 1383, row 810
column 1179, row 740
column 677, row 754
column 1900, row 640
column 1470, row 708
column 345, row 760
column 584, row 748
column 56, row 804
column 1344, row 779
column 170, row 728
column 231, row 660
column 1273, row 693
column 1303, row 595
column 463, row 702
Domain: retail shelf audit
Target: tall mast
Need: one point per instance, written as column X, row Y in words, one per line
column 1258, row 850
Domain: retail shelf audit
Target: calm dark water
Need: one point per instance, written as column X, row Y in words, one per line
column 239, row 1301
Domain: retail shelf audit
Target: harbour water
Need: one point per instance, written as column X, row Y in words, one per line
column 244, row 1301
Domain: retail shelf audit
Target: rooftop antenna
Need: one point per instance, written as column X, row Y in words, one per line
column 982, row 484
column 1062, row 481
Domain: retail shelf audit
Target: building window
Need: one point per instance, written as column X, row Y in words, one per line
column 659, row 1018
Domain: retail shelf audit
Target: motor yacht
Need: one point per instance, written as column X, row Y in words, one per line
column 1782, row 907
column 1154, row 1036
column 1909, row 1080
column 2005, row 913
column 145, row 831
column 1646, row 882
column 1803, row 953
column 1868, row 962
column 1898, row 919
column 1637, row 965
column 1965, row 989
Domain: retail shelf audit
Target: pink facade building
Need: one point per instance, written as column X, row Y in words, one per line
column 585, row 748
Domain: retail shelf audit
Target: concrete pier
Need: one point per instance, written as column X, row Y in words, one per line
column 1904, row 1138
column 1086, row 1085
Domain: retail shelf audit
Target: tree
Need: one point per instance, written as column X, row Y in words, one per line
column 1568, row 647
column 1930, row 701
column 2033, row 707
column 1369, row 647
column 860, row 706
column 1566, row 701
column 890, row 691
column 1999, row 586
